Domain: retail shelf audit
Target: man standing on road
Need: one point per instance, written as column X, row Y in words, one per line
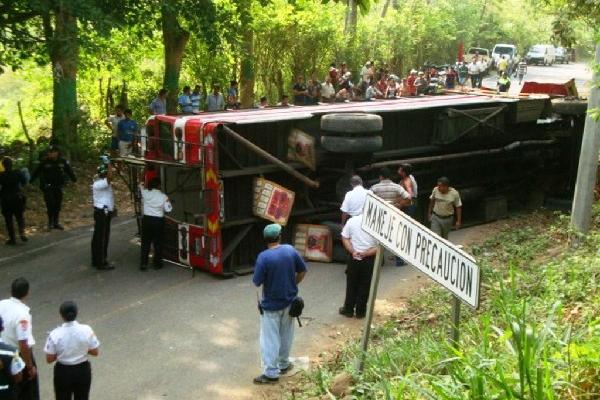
column 474, row 73
column 521, row 70
column 354, row 200
column 362, row 248
column 389, row 191
column 52, row 170
column 11, row 367
column 279, row 269
column 445, row 208
column 409, row 183
column 104, row 204
column 17, row 333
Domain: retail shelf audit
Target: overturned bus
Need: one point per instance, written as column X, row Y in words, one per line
column 228, row 173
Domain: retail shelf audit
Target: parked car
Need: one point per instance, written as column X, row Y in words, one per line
column 501, row 50
column 541, row 54
column 561, row 55
column 482, row 54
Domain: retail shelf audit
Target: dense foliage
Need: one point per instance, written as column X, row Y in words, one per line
column 536, row 335
column 286, row 38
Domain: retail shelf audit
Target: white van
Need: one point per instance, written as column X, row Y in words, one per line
column 541, row 54
column 504, row 50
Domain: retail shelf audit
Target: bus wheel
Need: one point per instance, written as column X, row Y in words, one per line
column 352, row 144
column 351, row 124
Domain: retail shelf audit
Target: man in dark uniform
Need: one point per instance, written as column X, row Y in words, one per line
column 52, row 170
column 11, row 367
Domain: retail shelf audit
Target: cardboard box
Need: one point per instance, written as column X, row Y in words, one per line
column 313, row 242
column 272, row 201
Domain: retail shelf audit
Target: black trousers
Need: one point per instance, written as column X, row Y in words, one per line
column 358, row 285
column 72, row 382
column 29, row 389
column 53, row 197
column 100, row 237
column 152, row 234
column 12, row 209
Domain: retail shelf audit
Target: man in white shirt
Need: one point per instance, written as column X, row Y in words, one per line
column 362, row 248
column 18, row 333
column 155, row 203
column 354, row 200
column 474, row 73
column 327, row 91
column 104, row 206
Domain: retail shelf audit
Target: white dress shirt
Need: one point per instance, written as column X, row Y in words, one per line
column 102, row 194
column 17, row 322
column 155, row 202
column 71, row 342
column 360, row 240
column 354, row 201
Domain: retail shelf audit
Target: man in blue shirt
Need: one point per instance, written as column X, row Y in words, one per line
column 279, row 269
column 127, row 130
column 184, row 101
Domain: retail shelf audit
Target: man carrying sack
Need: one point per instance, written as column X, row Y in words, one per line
column 279, row 269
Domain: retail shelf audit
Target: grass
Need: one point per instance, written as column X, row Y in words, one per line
column 535, row 336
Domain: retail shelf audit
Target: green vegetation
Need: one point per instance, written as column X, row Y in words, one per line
column 262, row 43
column 536, row 335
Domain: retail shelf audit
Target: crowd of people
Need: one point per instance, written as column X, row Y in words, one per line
column 339, row 84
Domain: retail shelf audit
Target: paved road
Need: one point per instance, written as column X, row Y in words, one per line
column 165, row 334
column 555, row 73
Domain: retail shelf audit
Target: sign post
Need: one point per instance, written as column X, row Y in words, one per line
column 436, row 257
column 364, row 342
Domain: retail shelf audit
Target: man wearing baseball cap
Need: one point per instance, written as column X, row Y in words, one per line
column 279, row 269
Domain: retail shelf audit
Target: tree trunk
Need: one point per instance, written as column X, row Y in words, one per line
column 247, row 72
column 63, row 46
column 385, row 8
column 175, row 39
column 351, row 17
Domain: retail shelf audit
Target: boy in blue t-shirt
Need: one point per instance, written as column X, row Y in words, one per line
column 279, row 269
column 127, row 130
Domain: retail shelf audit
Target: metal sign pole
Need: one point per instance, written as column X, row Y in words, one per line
column 455, row 321
column 364, row 342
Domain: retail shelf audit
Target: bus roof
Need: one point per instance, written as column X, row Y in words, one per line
column 273, row 114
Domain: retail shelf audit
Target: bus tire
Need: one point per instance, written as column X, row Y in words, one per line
column 351, row 123
column 352, row 144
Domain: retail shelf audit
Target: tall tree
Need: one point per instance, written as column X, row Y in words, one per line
column 51, row 30
column 179, row 19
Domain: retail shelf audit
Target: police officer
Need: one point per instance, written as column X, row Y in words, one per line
column 70, row 345
column 104, row 204
column 12, row 199
column 52, row 170
column 11, row 367
column 17, row 333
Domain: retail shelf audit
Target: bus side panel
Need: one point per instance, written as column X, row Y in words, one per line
column 213, row 196
column 193, row 149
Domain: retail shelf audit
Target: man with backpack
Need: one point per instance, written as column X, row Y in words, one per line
column 279, row 269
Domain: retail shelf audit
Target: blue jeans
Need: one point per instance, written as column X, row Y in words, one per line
column 276, row 336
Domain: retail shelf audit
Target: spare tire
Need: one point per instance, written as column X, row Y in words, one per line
column 351, row 123
column 352, row 145
column 569, row 107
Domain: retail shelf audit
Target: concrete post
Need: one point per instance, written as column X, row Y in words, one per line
column 581, row 212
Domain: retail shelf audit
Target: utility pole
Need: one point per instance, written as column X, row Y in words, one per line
column 581, row 212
